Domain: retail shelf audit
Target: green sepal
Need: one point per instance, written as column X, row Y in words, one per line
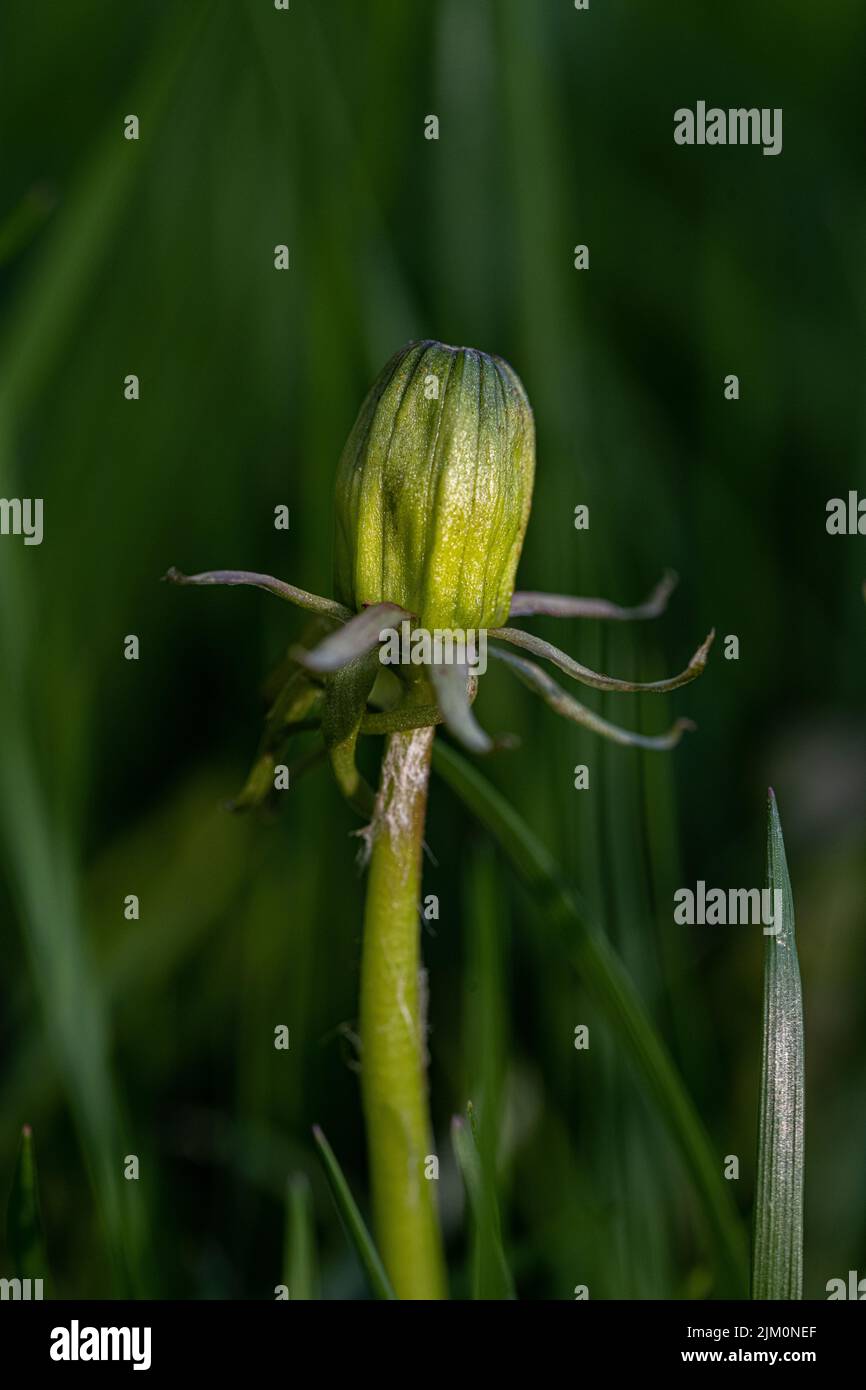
column 295, row 704
column 345, row 705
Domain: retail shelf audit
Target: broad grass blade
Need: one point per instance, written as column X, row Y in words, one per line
column 777, row 1256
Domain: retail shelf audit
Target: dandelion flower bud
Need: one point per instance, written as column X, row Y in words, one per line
column 434, row 488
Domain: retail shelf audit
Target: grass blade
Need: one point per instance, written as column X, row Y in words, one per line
column 25, row 1237
column 353, row 1220
column 299, row 1256
column 777, row 1260
column 491, row 1277
column 605, row 977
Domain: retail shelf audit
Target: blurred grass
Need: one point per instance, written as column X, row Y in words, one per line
column 572, row 935
column 485, row 1047
column 300, row 1249
column 490, row 1277
column 155, row 1036
column 25, row 1235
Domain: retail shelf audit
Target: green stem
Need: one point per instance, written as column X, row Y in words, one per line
column 393, row 1027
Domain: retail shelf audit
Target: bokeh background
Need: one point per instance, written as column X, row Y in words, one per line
column 306, row 128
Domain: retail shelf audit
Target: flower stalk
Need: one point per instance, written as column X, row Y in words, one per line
column 393, row 1026
column 433, row 495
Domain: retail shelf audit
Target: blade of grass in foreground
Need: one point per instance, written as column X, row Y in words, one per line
column 491, row 1277
column 299, row 1257
column 353, row 1220
column 24, row 1221
column 605, row 977
column 777, row 1259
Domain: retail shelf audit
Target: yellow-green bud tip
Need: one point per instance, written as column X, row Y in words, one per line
column 434, row 488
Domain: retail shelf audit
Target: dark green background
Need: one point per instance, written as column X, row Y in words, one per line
column 156, row 257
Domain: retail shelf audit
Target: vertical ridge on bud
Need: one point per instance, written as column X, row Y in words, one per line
column 434, row 488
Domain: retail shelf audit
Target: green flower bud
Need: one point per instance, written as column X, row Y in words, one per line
column 434, row 488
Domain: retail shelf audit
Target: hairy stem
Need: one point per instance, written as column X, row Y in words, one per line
column 393, row 1026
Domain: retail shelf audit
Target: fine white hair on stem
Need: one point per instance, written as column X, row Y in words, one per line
column 404, row 776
